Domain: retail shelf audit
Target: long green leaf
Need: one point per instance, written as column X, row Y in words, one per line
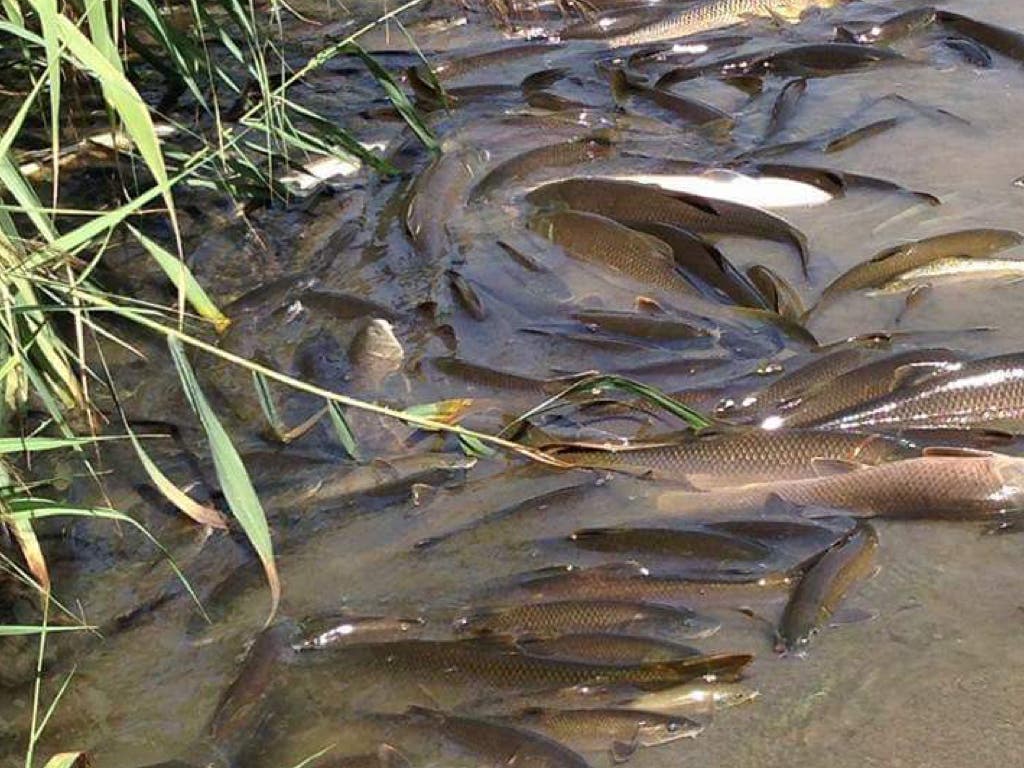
column 231, row 472
column 19, row 630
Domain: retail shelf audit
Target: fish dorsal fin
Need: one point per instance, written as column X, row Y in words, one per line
column 649, row 306
column 827, row 467
column 888, row 253
column 696, row 201
column 660, row 247
column 942, row 451
column 915, row 373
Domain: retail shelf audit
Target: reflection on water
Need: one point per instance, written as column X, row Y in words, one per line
column 481, row 306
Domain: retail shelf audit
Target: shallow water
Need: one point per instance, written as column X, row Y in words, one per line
column 932, row 679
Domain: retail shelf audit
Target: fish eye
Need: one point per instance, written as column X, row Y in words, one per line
column 673, row 725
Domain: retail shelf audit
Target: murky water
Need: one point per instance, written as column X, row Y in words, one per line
column 932, row 679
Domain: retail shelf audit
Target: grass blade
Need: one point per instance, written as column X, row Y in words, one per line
column 231, row 472
column 344, row 432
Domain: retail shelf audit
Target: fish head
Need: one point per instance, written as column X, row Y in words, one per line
column 653, row 730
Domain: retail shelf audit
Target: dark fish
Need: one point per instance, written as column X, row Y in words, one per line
column 671, row 542
column 480, row 375
column 785, row 106
column 779, row 295
column 498, row 744
column 688, row 51
column 701, row 259
column 890, row 263
column 1001, row 40
column 987, row 392
column 439, row 191
column 502, row 666
column 455, row 68
column 342, row 306
column 565, row 154
column 798, row 538
column 857, row 135
column 545, row 78
column 563, row 616
column 612, row 23
column 603, row 242
column 335, row 629
column 621, row 731
column 605, row 648
column 971, row 51
column 630, row 202
column 944, row 483
column 715, row 458
column 626, row 581
column 838, row 183
column 893, row 28
column 866, row 383
column 823, row 587
column 690, row 111
column 641, row 325
column 467, row 295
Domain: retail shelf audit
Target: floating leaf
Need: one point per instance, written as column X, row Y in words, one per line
column 68, row 760
column 443, row 411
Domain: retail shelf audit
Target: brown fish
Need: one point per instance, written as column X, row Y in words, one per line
column 606, row 648
column 320, row 632
column 889, row 29
column 823, row 587
column 713, row 458
column 692, row 543
column 778, row 294
column 785, row 106
column 565, row 154
column 890, row 263
column 440, row 190
column 948, row 483
column 626, row 201
column 1001, row 40
column 548, row 619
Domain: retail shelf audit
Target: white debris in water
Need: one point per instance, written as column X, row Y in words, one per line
column 721, row 184
column 772, row 423
column 325, row 169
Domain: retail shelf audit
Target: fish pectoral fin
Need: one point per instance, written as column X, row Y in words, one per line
column 621, row 751
column 943, row 451
column 914, row 373
column 827, row 467
column 845, row 616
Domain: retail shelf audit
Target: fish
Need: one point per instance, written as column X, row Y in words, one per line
column 824, row 585
column 699, row 697
column 547, row 619
column 946, row 483
column 641, row 325
column 862, row 384
column 778, row 295
column 987, row 392
column 692, row 543
column 467, row 295
column 564, row 154
column 1008, row 42
column 619, row 730
column 837, row 183
column 887, row 30
column 500, row 744
column 626, row 201
column 721, row 457
column 375, row 353
column 629, row 581
column 849, row 138
column 785, row 106
column 894, row 261
column 438, row 191
column 500, row 665
column 480, row 375
column 607, row 648
column 320, row 632
column 464, row 65
column 971, row 51
column 702, row 260
column 611, row 22
column 601, row 241
column 953, row 269
column 690, row 111
column 708, row 15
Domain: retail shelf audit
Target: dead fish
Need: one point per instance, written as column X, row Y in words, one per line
column 606, row 648
column 857, row 135
column 699, row 698
column 467, row 295
column 892, row 28
column 823, row 587
column 241, row 708
column 948, row 483
column 440, row 190
column 565, row 154
column 628, row 581
column 953, row 269
column 499, row 744
column 838, row 183
column 323, row 631
column 621, row 731
column 785, row 106
column 778, row 294
column 988, row 392
column 702, row 260
column 375, row 353
column 625, row 201
column 863, row 384
column 499, row 665
column 671, row 542
column 1001, row 40
column 598, row 240
column 892, row 262
column 710, row 15
column 559, row 617
column 715, row 458
column 971, row 51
